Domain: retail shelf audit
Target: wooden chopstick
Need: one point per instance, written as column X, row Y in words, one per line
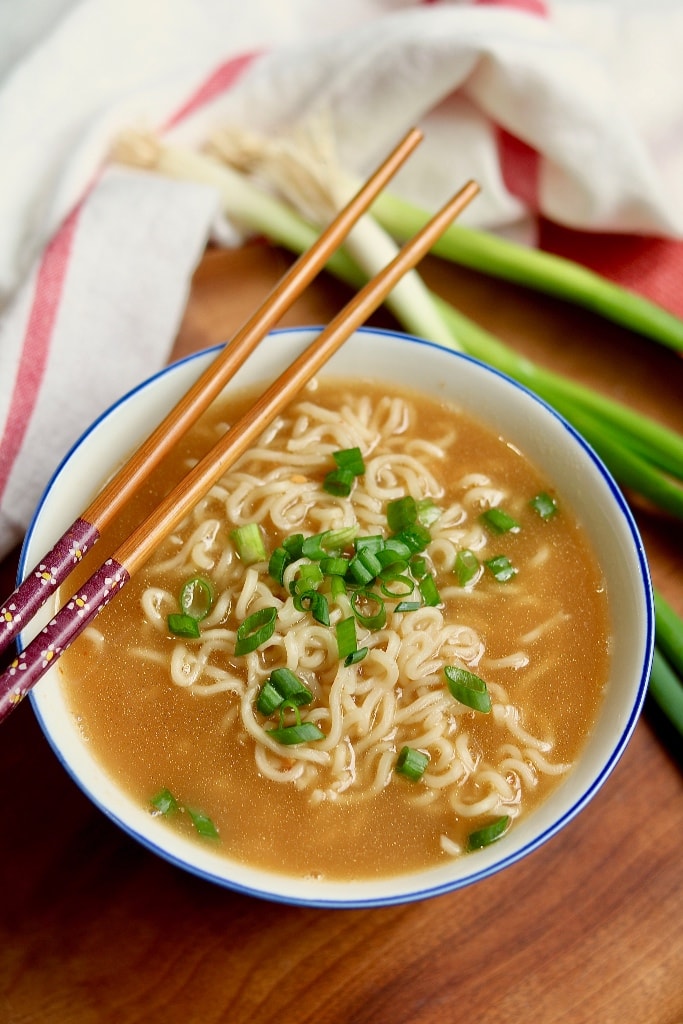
column 112, row 576
column 43, row 580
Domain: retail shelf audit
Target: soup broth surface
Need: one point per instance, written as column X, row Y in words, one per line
column 175, row 715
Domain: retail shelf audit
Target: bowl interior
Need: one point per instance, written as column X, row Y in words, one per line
column 542, row 435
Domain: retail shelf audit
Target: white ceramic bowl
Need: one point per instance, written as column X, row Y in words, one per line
column 545, row 438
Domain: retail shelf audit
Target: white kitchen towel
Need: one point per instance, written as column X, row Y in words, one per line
column 570, row 115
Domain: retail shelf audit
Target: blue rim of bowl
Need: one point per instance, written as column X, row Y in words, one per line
column 477, row 875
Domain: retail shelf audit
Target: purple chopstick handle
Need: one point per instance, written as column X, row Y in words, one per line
column 43, row 580
column 43, row 651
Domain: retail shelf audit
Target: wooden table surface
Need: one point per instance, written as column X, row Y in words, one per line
column 93, row 928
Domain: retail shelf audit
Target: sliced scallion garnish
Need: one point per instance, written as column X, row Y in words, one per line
column 412, row 763
column 345, row 632
column 418, row 566
column 401, row 512
column 278, row 562
column 315, row 603
column 466, row 567
column 500, row 521
column 429, row 591
column 408, row 606
column 355, row 656
column 501, row 568
column 364, row 566
column 255, row 630
column 300, row 732
column 196, row 597
column 248, row 541
column 339, row 482
column 371, row 620
column 391, row 582
column 183, row 625
column 415, row 537
column 293, row 545
column 336, row 566
column 544, row 505
column 310, row 576
column 204, row 826
column 350, row 459
column 374, row 542
column 488, row 834
column 337, row 586
column 164, row 802
column 427, row 512
column 282, row 685
column 468, row 688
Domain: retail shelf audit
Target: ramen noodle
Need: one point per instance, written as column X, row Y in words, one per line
column 440, row 698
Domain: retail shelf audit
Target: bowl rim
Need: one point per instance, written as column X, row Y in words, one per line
column 414, row 893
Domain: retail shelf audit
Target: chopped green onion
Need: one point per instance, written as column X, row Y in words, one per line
column 301, row 732
column 337, row 586
column 312, row 547
column 329, row 542
column 269, row 699
column 408, row 606
column 415, row 537
column 339, row 482
column 255, row 630
column 390, row 562
column 544, row 505
column 282, row 685
column 427, row 512
column 498, row 520
column 376, row 620
column 310, row 576
column 501, row 568
column 164, row 802
column 293, row 545
column 487, row 835
column 399, row 549
column 405, row 583
column 279, row 560
column 315, row 603
column 196, row 597
column 345, row 631
column 429, row 591
column 248, row 541
column 468, row 688
column 359, row 572
column 350, row 459
column 203, row 824
column 373, row 542
column 355, row 656
column 364, row 566
column 183, row 625
column 334, row 566
column 401, row 513
column 466, row 566
column 418, row 567
column 412, row 763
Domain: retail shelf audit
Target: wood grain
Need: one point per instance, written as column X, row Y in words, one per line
column 94, row 929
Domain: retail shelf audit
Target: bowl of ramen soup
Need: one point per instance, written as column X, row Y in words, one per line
column 397, row 647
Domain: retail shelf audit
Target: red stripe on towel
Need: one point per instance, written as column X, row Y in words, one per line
column 530, row 6
column 50, row 281
column 218, row 82
column 35, row 350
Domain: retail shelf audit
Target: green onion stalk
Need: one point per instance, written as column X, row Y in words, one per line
column 644, row 456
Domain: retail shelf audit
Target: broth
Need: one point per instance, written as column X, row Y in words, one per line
column 336, row 807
